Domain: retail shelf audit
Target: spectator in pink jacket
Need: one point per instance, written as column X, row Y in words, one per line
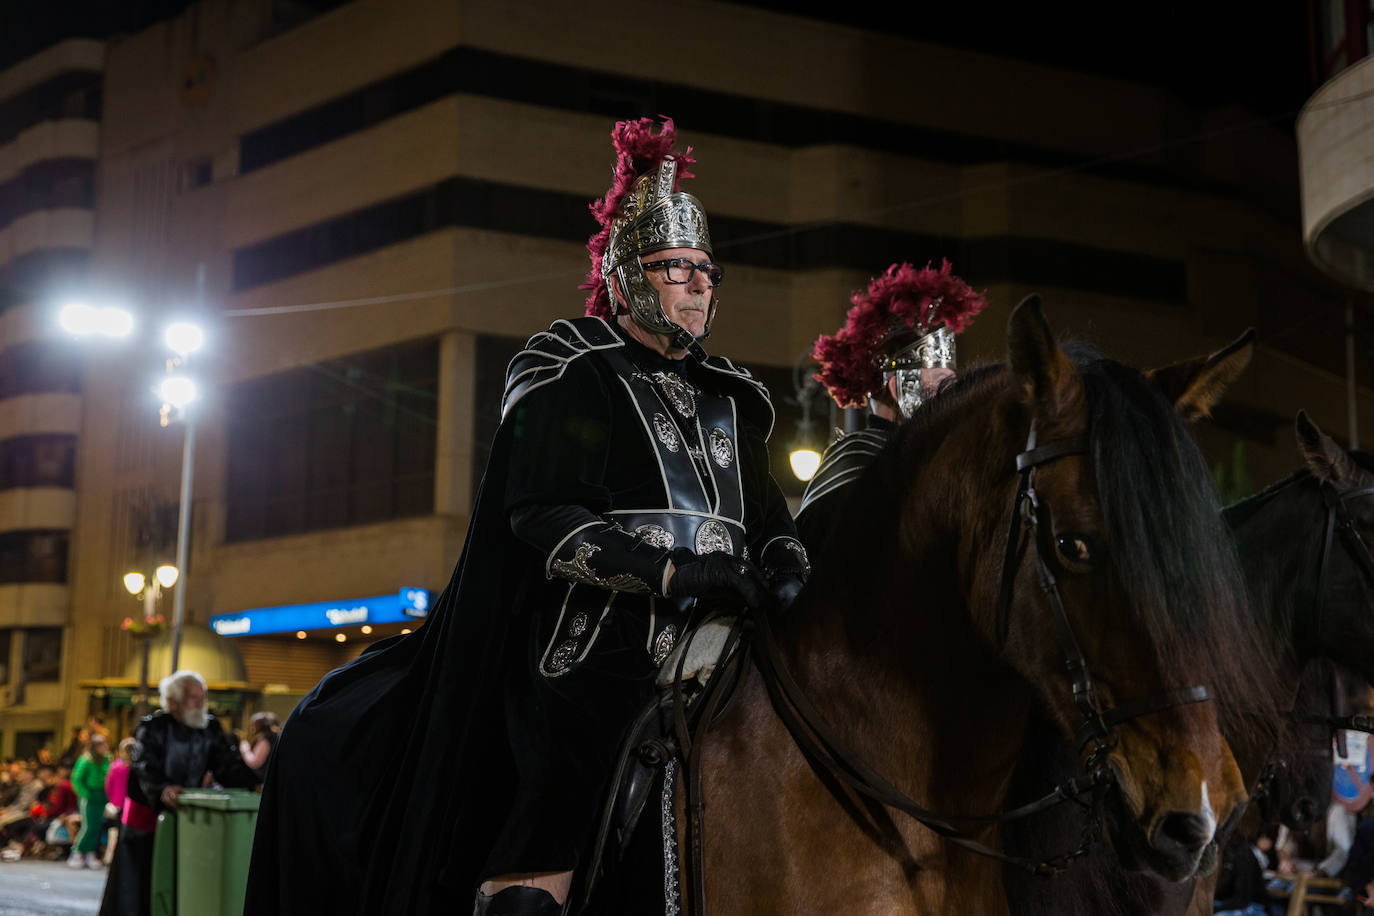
column 117, row 784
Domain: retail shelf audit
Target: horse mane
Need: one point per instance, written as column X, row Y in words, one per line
column 1170, row 548
column 1173, row 550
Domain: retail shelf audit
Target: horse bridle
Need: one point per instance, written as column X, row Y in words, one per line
column 1339, row 522
column 822, row 745
column 1030, row 517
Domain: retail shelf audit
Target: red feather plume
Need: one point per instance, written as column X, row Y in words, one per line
column 639, row 150
column 902, row 298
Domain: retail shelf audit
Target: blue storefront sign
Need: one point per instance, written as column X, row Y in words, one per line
column 407, row 605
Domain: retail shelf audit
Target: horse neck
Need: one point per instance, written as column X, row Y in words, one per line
column 1279, row 564
column 1279, row 546
column 888, row 652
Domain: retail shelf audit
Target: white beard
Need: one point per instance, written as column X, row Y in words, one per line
column 195, row 718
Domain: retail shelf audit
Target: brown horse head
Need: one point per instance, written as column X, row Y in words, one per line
column 1148, row 580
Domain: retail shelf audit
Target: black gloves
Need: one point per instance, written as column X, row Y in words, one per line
column 785, row 568
column 717, row 576
column 785, row 586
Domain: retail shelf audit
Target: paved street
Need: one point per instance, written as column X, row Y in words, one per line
column 34, row 888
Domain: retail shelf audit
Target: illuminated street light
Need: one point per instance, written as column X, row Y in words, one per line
column 82, row 319
column 367, row 630
column 114, row 322
column 133, row 582
column 339, row 637
column 300, row 634
column 183, row 338
column 167, row 575
column 805, row 462
column 177, row 390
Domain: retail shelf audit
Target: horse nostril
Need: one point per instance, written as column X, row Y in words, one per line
column 1183, row 831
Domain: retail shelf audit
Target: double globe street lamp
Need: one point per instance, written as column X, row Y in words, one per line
column 151, row 624
column 177, row 392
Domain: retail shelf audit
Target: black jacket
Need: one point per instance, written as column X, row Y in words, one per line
column 171, row 754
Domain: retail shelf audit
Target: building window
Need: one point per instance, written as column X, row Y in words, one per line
column 77, row 103
column 28, row 744
column 42, row 654
column 39, row 367
column 346, row 442
column 6, row 640
column 38, row 461
column 33, row 556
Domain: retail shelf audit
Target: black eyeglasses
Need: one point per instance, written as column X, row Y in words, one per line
column 679, row 270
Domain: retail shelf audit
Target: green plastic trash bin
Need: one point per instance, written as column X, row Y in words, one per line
column 164, row 880
column 214, row 841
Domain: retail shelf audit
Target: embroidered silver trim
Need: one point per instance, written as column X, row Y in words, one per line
column 722, row 449
column 578, row 625
column 563, row 655
column 678, row 392
column 657, row 536
column 663, row 645
column 579, row 569
column 713, row 537
column 663, row 428
column 696, row 451
column 672, row 892
column 800, row 551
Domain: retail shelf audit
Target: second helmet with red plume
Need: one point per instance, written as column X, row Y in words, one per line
column 905, row 321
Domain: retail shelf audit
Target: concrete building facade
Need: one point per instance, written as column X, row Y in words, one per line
column 49, row 143
column 386, row 199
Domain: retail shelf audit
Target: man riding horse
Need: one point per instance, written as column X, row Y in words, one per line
column 893, row 353
column 638, row 475
column 627, row 490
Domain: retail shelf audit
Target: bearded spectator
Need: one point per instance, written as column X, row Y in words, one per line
column 176, row 749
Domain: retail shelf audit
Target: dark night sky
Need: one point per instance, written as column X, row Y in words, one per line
column 1206, row 53
column 28, row 27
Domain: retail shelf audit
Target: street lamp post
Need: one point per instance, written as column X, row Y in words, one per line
column 177, row 392
column 150, row 587
column 804, row 454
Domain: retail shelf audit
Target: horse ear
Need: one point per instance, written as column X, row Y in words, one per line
column 1195, row 385
column 1323, row 456
column 1049, row 380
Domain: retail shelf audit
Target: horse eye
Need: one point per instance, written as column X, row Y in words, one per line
column 1076, row 548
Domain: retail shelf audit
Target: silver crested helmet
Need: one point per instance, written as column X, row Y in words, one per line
column 653, row 218
column 643, row 212
column 904, row 322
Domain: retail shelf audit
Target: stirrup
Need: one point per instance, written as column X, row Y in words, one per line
column 517, row 900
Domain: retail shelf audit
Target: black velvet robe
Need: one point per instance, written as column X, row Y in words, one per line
column 393, row 787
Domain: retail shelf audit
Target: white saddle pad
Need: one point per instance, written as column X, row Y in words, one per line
column 703, row 646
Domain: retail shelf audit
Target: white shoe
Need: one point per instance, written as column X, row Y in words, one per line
column 76, row 860
column 93, row 861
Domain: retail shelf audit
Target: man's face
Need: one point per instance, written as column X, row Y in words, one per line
column 686, row 304
column 191, row 710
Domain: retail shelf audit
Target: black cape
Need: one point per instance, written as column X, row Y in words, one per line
column 392, row 776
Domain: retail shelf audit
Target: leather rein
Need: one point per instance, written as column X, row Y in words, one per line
column 825, row 749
